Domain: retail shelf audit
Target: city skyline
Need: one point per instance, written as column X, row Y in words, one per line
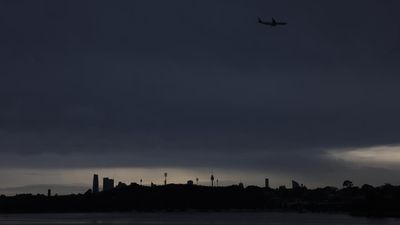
column 100, row 180
column 111, row 183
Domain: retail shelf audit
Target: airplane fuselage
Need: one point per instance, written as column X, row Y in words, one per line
column 273, row 23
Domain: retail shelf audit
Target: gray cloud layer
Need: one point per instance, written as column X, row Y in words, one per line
column 168, row 81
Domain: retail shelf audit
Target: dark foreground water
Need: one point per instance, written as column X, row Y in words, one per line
column 191, row 219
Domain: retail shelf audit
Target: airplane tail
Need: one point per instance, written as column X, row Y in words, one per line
column 259, row 20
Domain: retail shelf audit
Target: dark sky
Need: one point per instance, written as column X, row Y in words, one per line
column 190, row 84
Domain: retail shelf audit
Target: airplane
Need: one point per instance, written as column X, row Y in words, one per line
column 272, row 23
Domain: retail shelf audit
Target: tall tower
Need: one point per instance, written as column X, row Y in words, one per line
column 212, row 180
column 165, row 178
column 95, row 184
column 266, row 183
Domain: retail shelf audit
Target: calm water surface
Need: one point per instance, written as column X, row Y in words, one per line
column 191, row 219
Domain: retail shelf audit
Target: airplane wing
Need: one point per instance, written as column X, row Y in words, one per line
column 281, row 23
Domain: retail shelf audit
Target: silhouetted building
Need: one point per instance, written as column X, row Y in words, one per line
column 121, row 185
column 295, row 185
column 108, row 184
column 189, row 182
column 266, row 183
column 49, row 193
column 165, row 178
column 95, row 184
column 282, row 187
column 212, row 180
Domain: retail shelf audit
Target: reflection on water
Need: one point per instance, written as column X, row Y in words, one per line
column 191, row 219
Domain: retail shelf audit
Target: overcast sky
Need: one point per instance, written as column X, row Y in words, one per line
column 200, row 86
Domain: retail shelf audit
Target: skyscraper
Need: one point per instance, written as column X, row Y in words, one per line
column 95, row 184
column 266, row 183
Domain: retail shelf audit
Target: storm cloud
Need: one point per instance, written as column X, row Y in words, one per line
column 103, row 84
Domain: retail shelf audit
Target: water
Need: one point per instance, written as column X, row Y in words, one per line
column 191, row 219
